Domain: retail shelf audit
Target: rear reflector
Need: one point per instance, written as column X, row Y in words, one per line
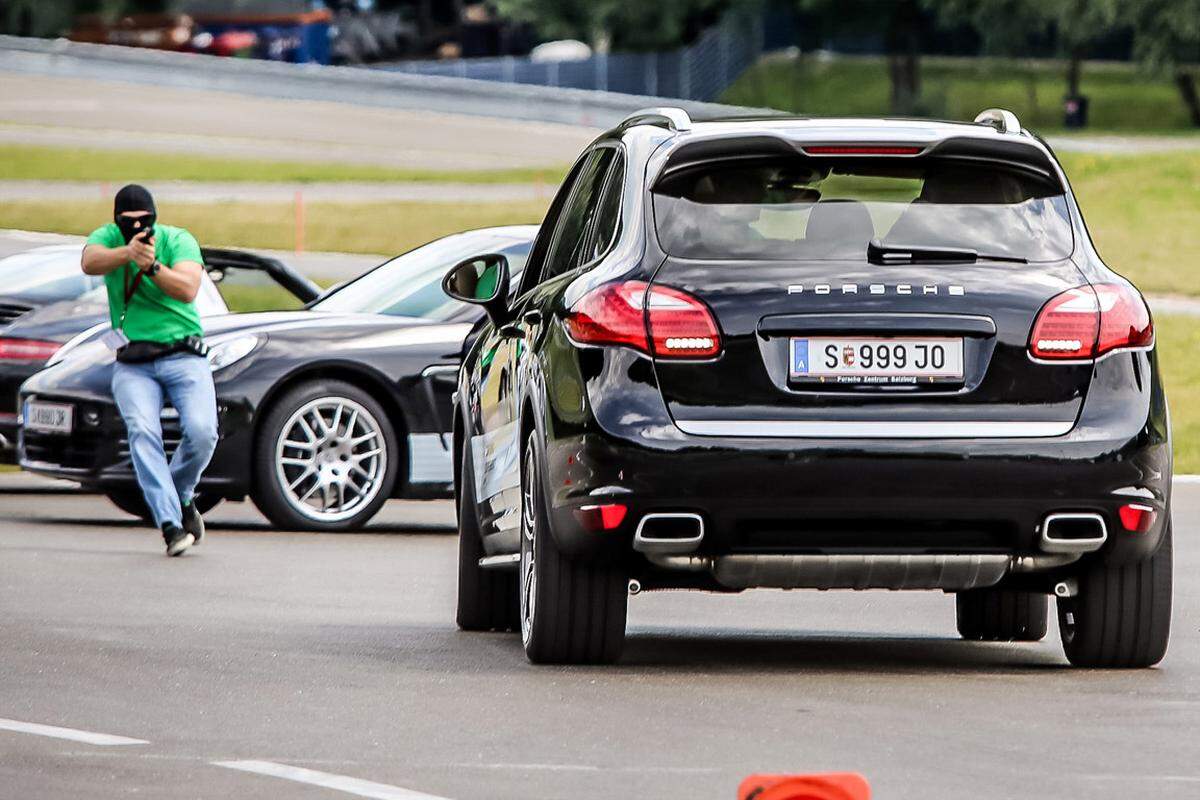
column 27, row 349
column 862, row 150
column 605, row 517
column 657, row 320
column 1088, row 321
column 1136, row 518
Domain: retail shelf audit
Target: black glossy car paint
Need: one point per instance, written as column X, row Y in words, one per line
column 609, row 418
column 408, row 364
column 63, row 320
column 296, row 346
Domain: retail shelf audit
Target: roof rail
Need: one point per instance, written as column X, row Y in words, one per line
column 675, row 119
column 1001, row 119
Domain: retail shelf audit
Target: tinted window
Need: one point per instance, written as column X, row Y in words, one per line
column 570, row 239
column 252, row 290
column 608, row 214
column 410, row 285
column 830, row 209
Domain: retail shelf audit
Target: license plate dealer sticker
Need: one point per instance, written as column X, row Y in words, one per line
column 49, row 417
column 881, row 360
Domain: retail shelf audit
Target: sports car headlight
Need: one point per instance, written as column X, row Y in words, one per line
column 228, row 351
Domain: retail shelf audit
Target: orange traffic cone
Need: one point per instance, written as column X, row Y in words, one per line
column 826, row 786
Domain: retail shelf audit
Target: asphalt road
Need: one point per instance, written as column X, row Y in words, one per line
column 68, row 112
column 335, row 660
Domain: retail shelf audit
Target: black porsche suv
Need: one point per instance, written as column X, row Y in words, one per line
column 814, row 353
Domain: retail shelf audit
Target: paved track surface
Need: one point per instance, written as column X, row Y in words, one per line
column 36, row 109
column 338, row 655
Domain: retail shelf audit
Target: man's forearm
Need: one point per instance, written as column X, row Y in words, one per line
column 101, row 260
column 182, row 281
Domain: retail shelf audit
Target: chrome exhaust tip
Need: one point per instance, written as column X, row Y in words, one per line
column 669, row 532
column 1073, row 532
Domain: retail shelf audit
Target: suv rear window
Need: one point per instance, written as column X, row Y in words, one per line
column 821, row 209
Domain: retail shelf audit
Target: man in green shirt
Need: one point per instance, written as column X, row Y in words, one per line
column 152, row 273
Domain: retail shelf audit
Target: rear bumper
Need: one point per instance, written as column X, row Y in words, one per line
column 929, row 497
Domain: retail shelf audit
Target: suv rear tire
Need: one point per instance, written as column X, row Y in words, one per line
column 1001, row 615
column 1121, row 616
column 572, row 612
column 488, row 599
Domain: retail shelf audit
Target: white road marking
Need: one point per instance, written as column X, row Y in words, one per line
column 328, row 780
column 87, row 737
column 1187, row 478
column 580, row 768
column 1146, row 778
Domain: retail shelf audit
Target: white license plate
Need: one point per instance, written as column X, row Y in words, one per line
column 49, row 417
column 875, row 359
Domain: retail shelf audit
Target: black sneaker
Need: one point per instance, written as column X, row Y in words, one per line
column 193, row 523
column 178, row 540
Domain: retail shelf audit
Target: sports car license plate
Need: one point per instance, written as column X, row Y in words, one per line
column 886, row 360
column 49, row 417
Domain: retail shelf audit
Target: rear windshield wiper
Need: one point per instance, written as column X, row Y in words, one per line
column 880, row 253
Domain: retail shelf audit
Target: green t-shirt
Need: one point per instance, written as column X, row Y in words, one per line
column 152, row 315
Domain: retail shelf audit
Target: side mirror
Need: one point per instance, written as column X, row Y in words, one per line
column 482, row 281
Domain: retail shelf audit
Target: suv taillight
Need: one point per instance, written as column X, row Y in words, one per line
column 657, row 320
column 1089, row 321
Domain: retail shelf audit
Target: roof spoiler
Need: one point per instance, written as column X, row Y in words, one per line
column 285, row 276
column 669, row 117
column 1001, row 119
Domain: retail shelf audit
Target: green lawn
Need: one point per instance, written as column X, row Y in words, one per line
column 1144, row 215
column 1142, row 211
column 1179, row 358
column 263, row 298
column 1123, row 98
column 31, row 162
column 352, row 228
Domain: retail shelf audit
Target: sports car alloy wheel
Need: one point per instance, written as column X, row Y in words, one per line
column 330, row 459
column 528, row 538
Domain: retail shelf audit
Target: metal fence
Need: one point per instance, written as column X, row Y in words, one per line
column 700, row 71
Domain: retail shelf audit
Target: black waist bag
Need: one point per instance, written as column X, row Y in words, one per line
column 141, row 352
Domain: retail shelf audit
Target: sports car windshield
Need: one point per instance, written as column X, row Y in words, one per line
column 410, row 285
column 820, row 209
column 46, row 279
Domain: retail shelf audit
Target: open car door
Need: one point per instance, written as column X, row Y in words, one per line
column 252, row 282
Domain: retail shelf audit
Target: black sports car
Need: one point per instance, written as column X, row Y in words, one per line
column 815, row 354
column 48, row 301
column 324, row 413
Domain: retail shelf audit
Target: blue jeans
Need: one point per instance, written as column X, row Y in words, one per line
column 187, row 382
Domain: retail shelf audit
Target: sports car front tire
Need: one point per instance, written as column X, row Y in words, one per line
column 325, row 458
column 133, row 503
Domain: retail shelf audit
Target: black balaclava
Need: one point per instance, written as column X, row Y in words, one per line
column 133, row 198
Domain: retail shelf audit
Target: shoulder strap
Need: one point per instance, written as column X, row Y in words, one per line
column 130, row 288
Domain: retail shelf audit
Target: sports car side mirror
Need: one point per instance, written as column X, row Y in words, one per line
column 483, row 281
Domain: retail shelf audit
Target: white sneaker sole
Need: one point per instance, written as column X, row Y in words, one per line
column 181, row 546
column 199, row 534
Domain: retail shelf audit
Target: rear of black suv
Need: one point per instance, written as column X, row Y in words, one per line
column 866, row 356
